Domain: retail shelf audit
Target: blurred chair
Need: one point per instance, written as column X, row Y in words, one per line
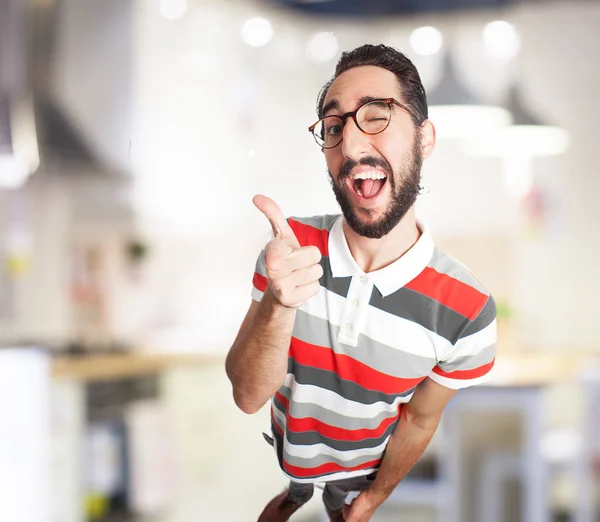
column 571, row 449
column 587, row 462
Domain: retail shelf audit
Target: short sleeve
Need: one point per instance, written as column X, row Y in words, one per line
column 259, row 281
column 473, row 355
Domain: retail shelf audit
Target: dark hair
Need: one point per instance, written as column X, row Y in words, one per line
column 411, row 88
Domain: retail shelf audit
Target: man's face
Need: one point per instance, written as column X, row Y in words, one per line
column 373, row 207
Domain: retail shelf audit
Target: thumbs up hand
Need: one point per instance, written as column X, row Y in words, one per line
column 293, row 271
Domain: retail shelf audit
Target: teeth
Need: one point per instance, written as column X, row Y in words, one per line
column 370, row 174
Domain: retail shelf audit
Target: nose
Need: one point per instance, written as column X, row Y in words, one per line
column 355, row 142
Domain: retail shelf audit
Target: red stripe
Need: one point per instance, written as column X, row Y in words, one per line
column 348, row 368
column 454, row 294
column 327, row 430
column 323, row 469
column 466, row 374
column 260, row 282
column 309, row 235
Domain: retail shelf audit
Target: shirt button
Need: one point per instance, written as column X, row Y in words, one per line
column 349, row 326
column 363, row 279
column 355, row 303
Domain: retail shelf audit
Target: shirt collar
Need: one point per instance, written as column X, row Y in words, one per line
column 390, row 278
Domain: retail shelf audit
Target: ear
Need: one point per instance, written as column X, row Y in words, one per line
column 427, row 138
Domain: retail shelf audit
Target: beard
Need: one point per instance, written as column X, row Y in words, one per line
column 405, row 187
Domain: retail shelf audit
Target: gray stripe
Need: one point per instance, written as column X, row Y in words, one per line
column 379, row 356
column 337, row 285
column 323, row 222
column 423, row 310
column 279, row 447
column 300, row 410
column 347, row 389
column 485, row 317
column 261, row 266
column 326, row 459
column 281, row 408
column 445, row 264
column 308, row 438
column 405, row 303
column 470, row 362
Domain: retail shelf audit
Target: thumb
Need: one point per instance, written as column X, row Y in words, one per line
column 279, row 224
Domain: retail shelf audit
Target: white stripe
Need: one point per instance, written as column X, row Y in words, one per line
column 309, row 394
column 335, row 476
column 315, row 450
column 457, row 384
column 472, row 344
column 256, row 294
column 383, row 327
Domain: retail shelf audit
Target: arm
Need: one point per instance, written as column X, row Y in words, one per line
column 257, row 361
column 419, row 419
column 469, row 363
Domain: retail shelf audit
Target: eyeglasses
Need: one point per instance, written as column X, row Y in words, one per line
column 372, row 117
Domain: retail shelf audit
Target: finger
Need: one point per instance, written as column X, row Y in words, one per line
column 276, row 255
column 303, row 257
column 305, row 292
column 279, row 224
column 305, row 276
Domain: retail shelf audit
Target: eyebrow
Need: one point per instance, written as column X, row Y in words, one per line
column 334, row 104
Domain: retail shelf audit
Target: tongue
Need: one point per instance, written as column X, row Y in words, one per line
column 371, row 187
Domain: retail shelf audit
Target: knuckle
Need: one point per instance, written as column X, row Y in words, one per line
column 316, row 253
column 318, row 271
column 273, row 260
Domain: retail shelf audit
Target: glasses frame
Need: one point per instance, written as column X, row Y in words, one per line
column 344, row 117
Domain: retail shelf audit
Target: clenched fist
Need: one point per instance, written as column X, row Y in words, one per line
column 293, row 271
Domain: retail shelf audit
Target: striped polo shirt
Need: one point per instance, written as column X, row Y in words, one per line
column 361, row 346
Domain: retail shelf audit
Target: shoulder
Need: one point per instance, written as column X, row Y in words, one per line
column 455, row 269
column 320, row 222
column 313, row 230
column 456, row 279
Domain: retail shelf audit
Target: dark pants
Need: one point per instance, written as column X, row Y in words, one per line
column 335, row 492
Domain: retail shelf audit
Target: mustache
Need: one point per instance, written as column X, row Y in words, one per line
column 369, row 161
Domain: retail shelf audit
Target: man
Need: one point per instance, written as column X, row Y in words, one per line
column 360, row 330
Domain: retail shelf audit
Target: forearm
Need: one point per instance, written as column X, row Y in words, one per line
column 257, row 362
column 405, row 447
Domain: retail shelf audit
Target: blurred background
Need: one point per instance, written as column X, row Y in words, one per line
column 133, row 135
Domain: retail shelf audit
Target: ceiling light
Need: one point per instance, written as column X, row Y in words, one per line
column 257, row 31
column 322, row 47
column 426, row 41
column 173, row 9
column 527, row 136
column 457, row 113
column 517, row 144
column 501, row 40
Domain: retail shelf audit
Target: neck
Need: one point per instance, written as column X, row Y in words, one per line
column 374, row 254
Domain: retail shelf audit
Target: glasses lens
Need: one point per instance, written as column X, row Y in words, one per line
column 374, row 117
column 328, row 132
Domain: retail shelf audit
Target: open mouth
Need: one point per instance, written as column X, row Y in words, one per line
column 368, row 184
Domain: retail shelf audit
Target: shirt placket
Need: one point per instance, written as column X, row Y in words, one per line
column 355, row 310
